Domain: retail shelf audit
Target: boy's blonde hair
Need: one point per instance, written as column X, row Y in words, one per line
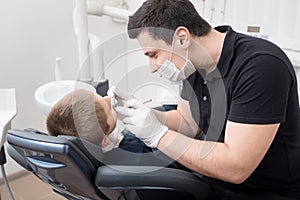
column 78, row 114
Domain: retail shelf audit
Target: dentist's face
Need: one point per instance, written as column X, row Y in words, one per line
column 158, row 51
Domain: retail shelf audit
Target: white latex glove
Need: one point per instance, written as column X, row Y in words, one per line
column 118, row 97
column 115, row 137
column 142, row 122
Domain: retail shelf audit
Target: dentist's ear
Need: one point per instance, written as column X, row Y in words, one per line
column 183, row 35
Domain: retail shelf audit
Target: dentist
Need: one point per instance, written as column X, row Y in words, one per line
column 237, row 122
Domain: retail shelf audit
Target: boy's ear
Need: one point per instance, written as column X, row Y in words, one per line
column 183, row 36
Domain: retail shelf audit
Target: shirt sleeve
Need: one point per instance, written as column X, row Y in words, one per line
column 261, row 92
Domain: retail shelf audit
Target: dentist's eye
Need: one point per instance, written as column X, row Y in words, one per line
column 151, row 54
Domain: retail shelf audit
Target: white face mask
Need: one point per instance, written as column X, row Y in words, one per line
column 172, row 73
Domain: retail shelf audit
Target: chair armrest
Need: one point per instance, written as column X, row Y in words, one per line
column 18, row 157
column 150, row 177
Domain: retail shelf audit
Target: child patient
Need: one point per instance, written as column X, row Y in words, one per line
column 91, row 117
column 86, row 115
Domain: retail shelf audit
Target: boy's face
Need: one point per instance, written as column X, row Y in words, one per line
column 110, row 112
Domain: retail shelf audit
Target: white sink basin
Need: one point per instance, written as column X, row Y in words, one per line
column 50, row 93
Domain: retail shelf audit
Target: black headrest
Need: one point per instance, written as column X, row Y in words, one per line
column 90, row 150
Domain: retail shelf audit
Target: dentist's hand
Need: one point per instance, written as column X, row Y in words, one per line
column 142, row 122
column 118, row 97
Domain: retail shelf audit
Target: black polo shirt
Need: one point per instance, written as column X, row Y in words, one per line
column 254, row 83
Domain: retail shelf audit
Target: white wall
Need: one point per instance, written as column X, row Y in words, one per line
column 278, row 19
column 32, row 34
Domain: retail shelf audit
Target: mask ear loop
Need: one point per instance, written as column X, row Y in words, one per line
column 187, row 55
column 172, row 48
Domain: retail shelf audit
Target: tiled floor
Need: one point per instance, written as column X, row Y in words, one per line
column 28, row 187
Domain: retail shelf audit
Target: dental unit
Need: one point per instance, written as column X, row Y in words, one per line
column 91, row 71
column 89, row 45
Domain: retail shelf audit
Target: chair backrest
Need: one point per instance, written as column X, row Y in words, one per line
column 64, row 162
column 152, row 182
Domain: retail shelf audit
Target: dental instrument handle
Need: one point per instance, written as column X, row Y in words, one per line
column 147, row 101
column 57, row 69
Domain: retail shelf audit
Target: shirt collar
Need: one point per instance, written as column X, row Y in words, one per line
column 227, row 52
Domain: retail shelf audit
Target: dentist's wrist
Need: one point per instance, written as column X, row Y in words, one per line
column 154, row 140
column 167, row 140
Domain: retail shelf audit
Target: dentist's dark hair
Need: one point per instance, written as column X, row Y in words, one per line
column 158, row 16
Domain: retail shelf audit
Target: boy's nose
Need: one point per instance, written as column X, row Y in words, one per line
column 107, row 99
column 153, row 68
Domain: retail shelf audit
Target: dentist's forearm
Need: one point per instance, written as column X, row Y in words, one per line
column 207, row 158
column 174, row 121
column 171, row 119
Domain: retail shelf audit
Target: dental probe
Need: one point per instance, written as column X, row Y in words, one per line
column 147, row 101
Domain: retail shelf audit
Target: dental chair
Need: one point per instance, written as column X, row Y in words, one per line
column 72, row 167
